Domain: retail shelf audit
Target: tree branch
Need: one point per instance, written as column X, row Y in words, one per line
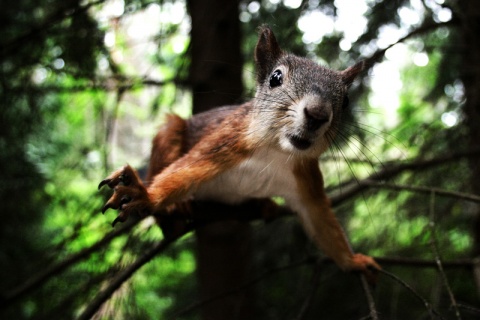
column 369, row 296
column 427, row 305
column 469, row 308
column 40, row 278
column 246, row 285
column 476, row 272
column 422, row 263
column 204, row 213
column 349, row 190
column 61, row 14
column 370, row 61
column 421, row 189
column 313, row 289
column 438, row 260
column 107, row 84
column 124, row 275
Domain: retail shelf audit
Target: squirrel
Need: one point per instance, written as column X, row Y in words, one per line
column 266, row 147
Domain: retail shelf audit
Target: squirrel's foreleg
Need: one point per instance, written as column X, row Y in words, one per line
column 217, row 151
column 320, row 223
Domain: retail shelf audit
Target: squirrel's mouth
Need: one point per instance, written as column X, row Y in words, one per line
column 299, row 142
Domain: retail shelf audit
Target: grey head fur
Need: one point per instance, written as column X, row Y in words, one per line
column 298, row 103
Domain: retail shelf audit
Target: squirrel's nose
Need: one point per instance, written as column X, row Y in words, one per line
column 315, row 117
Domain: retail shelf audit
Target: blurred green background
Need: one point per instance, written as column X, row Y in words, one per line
column 85, row 84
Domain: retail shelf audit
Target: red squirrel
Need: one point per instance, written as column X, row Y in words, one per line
column 266, row 147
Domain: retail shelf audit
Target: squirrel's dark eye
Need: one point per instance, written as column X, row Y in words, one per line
column 345, row 102
column 276, row 79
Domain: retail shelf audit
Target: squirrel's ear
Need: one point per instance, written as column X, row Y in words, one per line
column 349, row 74
column 267, row 52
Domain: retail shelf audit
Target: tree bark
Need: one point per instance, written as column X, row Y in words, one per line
column 216, row 60
column 470, row 29
column 223, row 248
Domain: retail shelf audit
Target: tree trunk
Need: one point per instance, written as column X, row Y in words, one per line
column 216, row 65
column 223, row 249
column 470, row 29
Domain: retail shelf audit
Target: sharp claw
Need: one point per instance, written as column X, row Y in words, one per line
column 105, row 208
column 117, row 181
column 117, row 219
column 103, row 182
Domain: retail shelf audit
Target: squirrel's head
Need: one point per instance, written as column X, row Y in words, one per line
column 298, row 103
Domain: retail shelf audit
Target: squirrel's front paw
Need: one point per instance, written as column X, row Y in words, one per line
column 129, row 196
column 366, row 265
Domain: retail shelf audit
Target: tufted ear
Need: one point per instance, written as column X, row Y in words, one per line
column 267, row 53
column 349, row 74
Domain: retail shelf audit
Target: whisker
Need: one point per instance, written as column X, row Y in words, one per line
column 379, row 134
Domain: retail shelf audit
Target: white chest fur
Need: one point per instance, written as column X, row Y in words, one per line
column 266, row 173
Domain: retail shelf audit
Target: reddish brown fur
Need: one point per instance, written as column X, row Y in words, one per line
column 329, row 236
column 167, row 146
column 189, row 153
column 175, row 170
column 221, row 146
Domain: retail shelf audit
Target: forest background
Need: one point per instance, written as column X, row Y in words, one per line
column 85, row 84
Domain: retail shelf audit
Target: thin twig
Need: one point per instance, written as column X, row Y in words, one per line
column 348, row 190
column 476, row 272
column 438, row 259
column 40, row 278
column 308, row 301
column 123, row 276
column 422, row 189
column 369, row 296
column 468, row 308
column 427, row 305
column 100, row 84
column 110, row 127
column 63, row 13
column 246, row 285
column 422, row 263
column 420, row 30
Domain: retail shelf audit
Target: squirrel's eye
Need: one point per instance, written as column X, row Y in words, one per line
column 276, row 79
column 345, row 102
